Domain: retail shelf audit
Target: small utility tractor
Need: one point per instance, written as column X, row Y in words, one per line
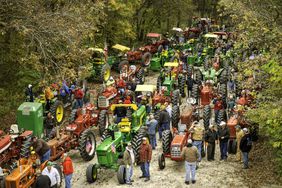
column 115, row 139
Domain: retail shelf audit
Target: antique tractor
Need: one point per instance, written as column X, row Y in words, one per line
column 154, row 43
column 114, row 140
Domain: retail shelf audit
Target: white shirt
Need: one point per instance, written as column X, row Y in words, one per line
column 53, row 175
column 168, row 109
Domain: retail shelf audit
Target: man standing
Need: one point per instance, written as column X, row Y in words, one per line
column 78, row 95
column 163, row 120
column 29, row 93
column 198, row 132
column 129, row 159
column 190, row 154
column 49, row 125
column 211, row 137
column 41, row 148
column 152, row 125
column 223, row 134
column 53, row 174
column 145, row 159
column 239, row 135
column 245, row 147
column 67, row 170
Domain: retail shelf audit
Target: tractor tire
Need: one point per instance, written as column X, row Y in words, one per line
column 161, row 161
column 220, row 117
column 223, row 92
column 25, row 149
column 57, row 110
column 195, row 92
column 92, row 173
column 106, row 134
column 223, row 77
column 234, row 146
column 207, row 116
column 198, row 77
column 73, row 116
column 122, row 64
column 160, row 48
column 159, row 83
column 136, row 144
column 140, row 76
column 206, row 65
column 166, row 141
column 189, row 70
column 176, row 100
column 181, row 86
column 83, row 141
column 103, row 121
column 121, row 174
column 58, row 167
column 105, row 73
column 175, row 116
column 146, row 59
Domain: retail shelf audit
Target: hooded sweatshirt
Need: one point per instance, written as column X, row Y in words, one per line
column 67, row 166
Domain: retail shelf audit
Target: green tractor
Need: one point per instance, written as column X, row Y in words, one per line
column 158, row 60
column 115, row 139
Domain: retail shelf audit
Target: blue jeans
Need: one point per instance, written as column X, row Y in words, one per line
column 129, row 173
column 246, row 159
column 223, row 150
column 190, row 169
column 153, row 140
column 145, row 168
column 198, row 145
column 46, row 156
column 79, row 103
column 68, row 181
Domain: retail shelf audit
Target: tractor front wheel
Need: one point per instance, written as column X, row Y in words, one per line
column 121, row 174
column 206, row 116
column 57, row 111
column 123, row 65
column 92, row 173
column 105, row 73
column 146, row 59
column 87, row 145
column 103, row 121
column 161, row 160
column 166, row 141
column 182, row 86
column 140, row 76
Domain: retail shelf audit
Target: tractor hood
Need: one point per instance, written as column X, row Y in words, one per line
column 108, row 143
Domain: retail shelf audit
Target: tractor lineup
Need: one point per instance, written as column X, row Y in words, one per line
column 194, row 68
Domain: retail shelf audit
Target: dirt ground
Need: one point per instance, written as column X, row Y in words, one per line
column 210, row 174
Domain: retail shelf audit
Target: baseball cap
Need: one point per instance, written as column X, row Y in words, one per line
column 190, row 141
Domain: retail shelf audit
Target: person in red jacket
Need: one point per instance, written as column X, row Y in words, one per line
column 78, row 95
column 127, row 100
column 145, row 158
column 67, row 169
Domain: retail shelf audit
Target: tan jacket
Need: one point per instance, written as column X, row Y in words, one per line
column 127, row 159
column 190, row 154
column 239, row 135
column 198, row 132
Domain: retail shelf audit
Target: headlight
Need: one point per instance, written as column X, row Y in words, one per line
column 94, row 115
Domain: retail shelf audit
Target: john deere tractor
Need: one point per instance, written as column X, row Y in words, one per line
column 115, row 139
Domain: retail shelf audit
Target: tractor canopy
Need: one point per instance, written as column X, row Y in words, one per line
column 121, row 47
column 211, row 35
column 146, row 88
column 133, row 106
column 171, row 64
column 153, row 35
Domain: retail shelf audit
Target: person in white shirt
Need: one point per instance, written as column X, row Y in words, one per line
column 53, row 174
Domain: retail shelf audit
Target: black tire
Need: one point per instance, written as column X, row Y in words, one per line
column 220, row 116
column 223, row 92
column 175, row 114
column 73, row 116
column 195, row 92
column 198, row 76
column 136, row 144
column 140, row 76
column 234, row 146
column 103, row 121
column 159, row 83
column 175, row 99
column 121, row 174
column 25, row 149
column 206, row 64
column 87, row 156
column 105, row 68
column 189, row 70
column 92, row 173
column 58, row 167
column 106, row 134
column 223, row 77
column 181, row 86
column 146, row 59
column 53, row 109
column 166, row 141
column 123, row 63
column 160, row 48
column 161, row 161
column 207, row 116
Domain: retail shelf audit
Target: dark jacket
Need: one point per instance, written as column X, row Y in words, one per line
column 49, row 123
column 120, row 111
column 145, row 153
column 246, row 143
column 40, row 147
column 164, row 117
column 211, row 136
column 223, row 133
column 42, row 181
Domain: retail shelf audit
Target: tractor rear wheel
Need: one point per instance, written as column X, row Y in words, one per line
column 223, row 76
column 182, row 86
column 195, row 92
column 166, row 141
column 189, row 70
column 140, row 76
column 105, row 72
column 220, row 116
column 207, row 116
column 123, row 64
column 175, row 114
column 73, row 116
column 87, row 145
column 92, row 173
column 103, row 121
column 198, row 76
column 146, row 59
column 161, row 160
column 136, row 144
column 25, row 148
column 57, row 111
column 176, row 100
column 121, row 174
column 106, row 134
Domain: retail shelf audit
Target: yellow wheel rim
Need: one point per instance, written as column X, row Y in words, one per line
column 107, row 74
column 59, row 113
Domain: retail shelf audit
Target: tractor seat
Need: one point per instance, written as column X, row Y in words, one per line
column 124, row 125
column 14, row 131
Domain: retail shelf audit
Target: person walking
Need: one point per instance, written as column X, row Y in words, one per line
column 49, row 125
column 190, row 154
column 67, row 169
column 53, row 174
column 211, row 137
column 152, row 126
column 164, row 120
column 129, row 160
column 145, row 153
column 198, row 132
column 239, row 136
column 223, row 134
column 78, row 95
column 41, row 148
column 245, row 147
